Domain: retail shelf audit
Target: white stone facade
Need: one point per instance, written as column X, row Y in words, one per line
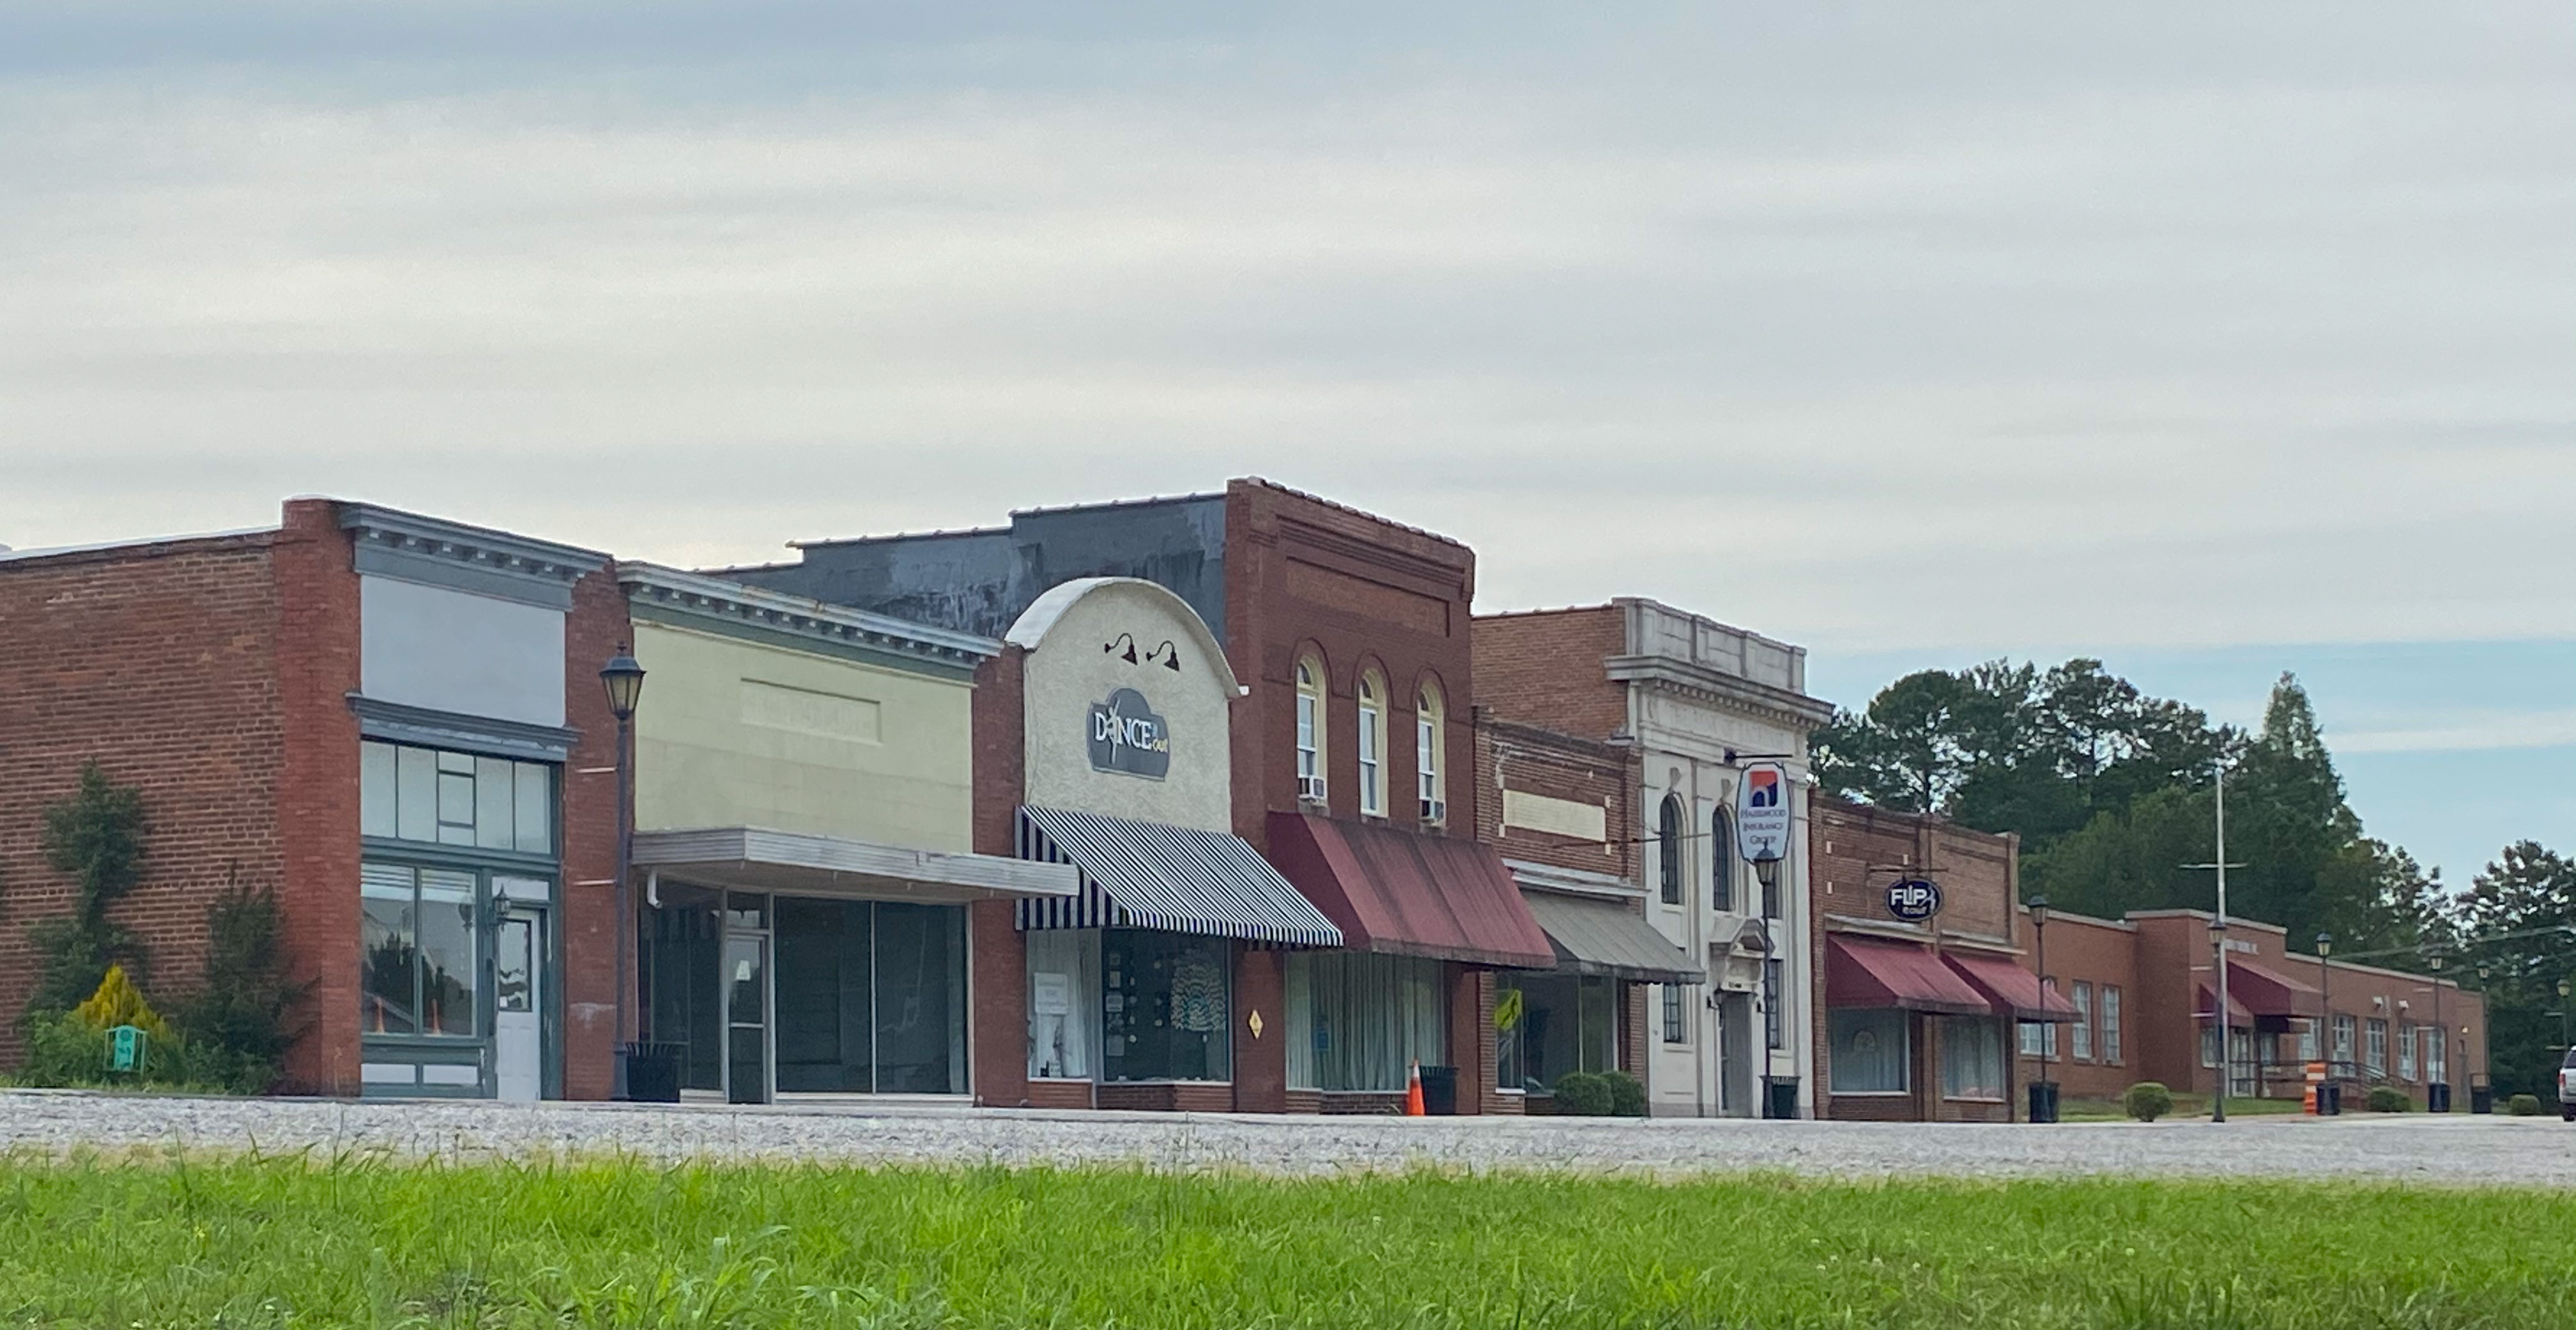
column 1704, row 702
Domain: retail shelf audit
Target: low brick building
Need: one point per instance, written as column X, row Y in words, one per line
column 1919, row 962
column 1553, row 807
column 393, row 722
column 2145, row 996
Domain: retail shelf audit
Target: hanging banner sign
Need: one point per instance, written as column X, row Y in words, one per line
column 1913, row 900
column 1127, row 736
column 1762, row 813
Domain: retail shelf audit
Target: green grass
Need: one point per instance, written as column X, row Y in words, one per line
column 240, row 1243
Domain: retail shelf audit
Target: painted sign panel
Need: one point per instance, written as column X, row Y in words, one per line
column 1126, row 735
column 1913, row 900
column 1762, row 812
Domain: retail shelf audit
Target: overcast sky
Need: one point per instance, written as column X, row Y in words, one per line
column 2213, row 339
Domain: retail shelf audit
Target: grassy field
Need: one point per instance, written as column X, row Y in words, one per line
column 301, row 1243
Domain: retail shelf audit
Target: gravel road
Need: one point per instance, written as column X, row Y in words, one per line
column 2450, row 1150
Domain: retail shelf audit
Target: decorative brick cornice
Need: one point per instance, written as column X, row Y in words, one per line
column 1700, row 683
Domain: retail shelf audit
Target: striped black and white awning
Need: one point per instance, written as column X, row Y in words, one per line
column 1179, row 879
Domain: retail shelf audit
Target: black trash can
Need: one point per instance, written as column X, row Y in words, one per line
column 2437, row 1098
column 2482, row 1099
column 1440, row 1092
column 1779, row 1096
column 652, row 1072
column 2329, row 1100
column 2043, row 1101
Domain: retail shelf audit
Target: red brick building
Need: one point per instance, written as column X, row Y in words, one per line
column 353, row 706
column 1916, row 1011
column 1553, row 802
column 2144, row 992
column 1349, row 635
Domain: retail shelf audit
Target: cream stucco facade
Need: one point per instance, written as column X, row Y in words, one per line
column 749, row 733
column 1079, row 637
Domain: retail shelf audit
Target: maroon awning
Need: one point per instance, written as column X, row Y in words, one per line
column 2205, row 1001
column 1405, row 894
column 2267, row 992
column 1865, row 972
column 2012, row 990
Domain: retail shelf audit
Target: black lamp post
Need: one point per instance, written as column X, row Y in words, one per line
column 2325, row 1003
column 2043, row 1098
column 2486, row 1068
column 624, row 680
column 2443, row 1033
column 2562, row 1014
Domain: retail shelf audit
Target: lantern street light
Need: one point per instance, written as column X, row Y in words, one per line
column 2043, row 1099
column 2325, row 1003
column 2441, row 1032
column 623, row 678
column 2562, row 1013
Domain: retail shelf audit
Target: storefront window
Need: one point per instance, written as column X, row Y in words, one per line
column 1358, row 1022
column 682, row 1000
column 417, row 951
column 1064, row 1003
column 1566, row 1023
column 1870, row 1051
column 870, row 997
column 1166, row 1007
column 1972, row 1057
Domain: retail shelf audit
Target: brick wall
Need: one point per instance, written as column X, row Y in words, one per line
column 161, row 662
column 1512, row 755
column 1547, row 666
column 2101, row 954
column 1302, row 574
column 997, row 1027
column 596, row 629
column 316, row 798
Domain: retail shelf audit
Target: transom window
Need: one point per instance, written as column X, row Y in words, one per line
column 438, row 797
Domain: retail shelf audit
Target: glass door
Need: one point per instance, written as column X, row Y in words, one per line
column 518, row 1020
column 746, row 1001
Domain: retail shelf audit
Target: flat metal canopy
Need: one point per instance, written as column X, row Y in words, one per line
column 803, row 864
column 1603, row 937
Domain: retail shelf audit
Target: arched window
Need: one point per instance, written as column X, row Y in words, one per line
column 1427, row 732
column 1668, row 842
column 1372, row 744
column 1721, row 862
column 1310, row 730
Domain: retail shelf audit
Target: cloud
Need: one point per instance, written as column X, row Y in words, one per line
column 1869, row 329
column 2468, row 732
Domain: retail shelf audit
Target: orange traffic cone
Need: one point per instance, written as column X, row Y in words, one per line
column 1413, row 1091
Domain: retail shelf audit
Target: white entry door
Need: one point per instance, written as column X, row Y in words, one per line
column 518, row 1008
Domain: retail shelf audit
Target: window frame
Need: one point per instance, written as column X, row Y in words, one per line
column 1371, row 743
column 1721, row 860
column 1430, row 776
column 1313, row 736
column 1775, row 986
column 1840, row 1021
column 2407, row 1061
column 2375, row 1047
column 1989, row 1027
column 2110, row 1038
column 2080, row 1030
column 1669, row 863
column 1676, row 1028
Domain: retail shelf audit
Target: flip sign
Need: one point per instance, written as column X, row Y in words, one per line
column 1762, row 813
column 1913, row 899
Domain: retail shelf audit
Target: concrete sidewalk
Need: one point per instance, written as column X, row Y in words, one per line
column 2451, row 1150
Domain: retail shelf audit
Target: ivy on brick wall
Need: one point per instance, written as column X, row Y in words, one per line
column 96, row 838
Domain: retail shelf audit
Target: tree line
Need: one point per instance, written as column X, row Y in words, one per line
column 2110, row 792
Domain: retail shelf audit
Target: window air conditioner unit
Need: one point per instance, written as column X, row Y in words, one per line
column 1310, row 788
column 1435, row 810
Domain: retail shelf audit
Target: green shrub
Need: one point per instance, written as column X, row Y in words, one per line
column 2147, row 1100
column 242, row 1021
column 2523, row 1106
column 1627, row 1095
column 2388, row 1099
column 1582, row 1094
